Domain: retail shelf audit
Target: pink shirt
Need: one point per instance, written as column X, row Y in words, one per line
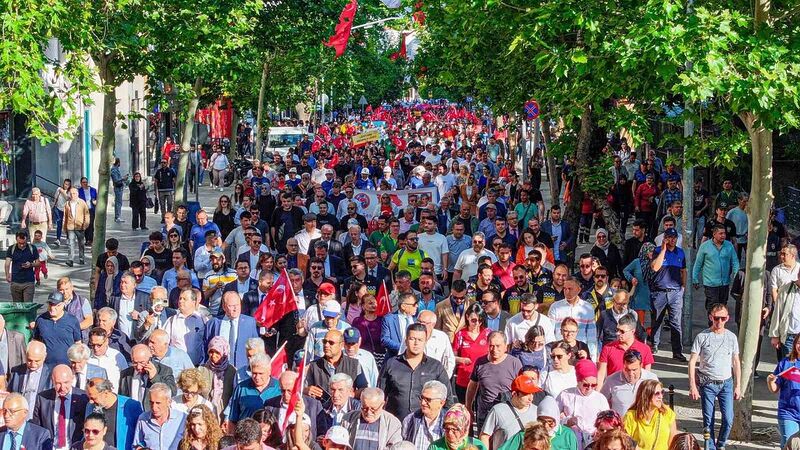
column 612, row 355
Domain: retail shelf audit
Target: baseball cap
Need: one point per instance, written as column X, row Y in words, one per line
column 309, row 217
column 364, row 171
column 387, row 169
column 524, row 384
column 331, row 309
column 670, row 232
column 292, row 170
column 351, row 336
column 491, row 206
column 326, row 289
column 55, row 297
column 217, row 254
column 329, row 172
column 338, row 435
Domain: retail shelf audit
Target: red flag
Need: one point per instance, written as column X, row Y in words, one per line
column 339, row 39
column 279, row 361
column 384, row 306
column 335, row 160
column 791, row 374
column 296, row 393
column 402, row 52
column 278, row 302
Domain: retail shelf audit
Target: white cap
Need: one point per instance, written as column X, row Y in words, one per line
column 292, row 170
column 331, row 309
column 338, row 435
column 387, row 169
column 364, row 171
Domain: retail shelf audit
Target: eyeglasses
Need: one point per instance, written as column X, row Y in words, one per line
column 486, row 302
column 589, row 385
column 557, row 356
column 411, row 304
column 458, row 297
column 424, row 399
column 367, row 409
column 93, row 432
column 96, row 345
column 622, row 331
column 586, row 266
column 191, row 393
column 329, row 341
column 11, row 412
column 564, row 331
column 720, row 318
column 600, row 275
column 658, row 394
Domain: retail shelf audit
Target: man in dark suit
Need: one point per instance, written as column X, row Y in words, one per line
column 333, row 246
column 358, row 268
column 135, row 381
column 15, row 342
column 32, row 377
column 243, row 282
column 121, row 412
column 235, row 327
column 314, row 408
column 61, row 403
column 251, row 299
column 333, row 265
column 25, row 434
column 357, row 246
column 377, row 270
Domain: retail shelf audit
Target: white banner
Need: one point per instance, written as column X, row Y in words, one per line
column 371, row 205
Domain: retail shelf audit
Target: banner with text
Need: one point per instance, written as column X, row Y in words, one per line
column 371, row 135
column 371, row 205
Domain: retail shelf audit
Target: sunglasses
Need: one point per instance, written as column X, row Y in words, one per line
column 589, row 385
column 555, row 356
column 720, row 318
column 91, row 431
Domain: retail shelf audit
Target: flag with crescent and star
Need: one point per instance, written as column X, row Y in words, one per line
column 279, row 301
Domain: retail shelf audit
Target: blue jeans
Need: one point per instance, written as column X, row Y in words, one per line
column 660, row 303
column 788, row 428
column 118, row 202
column 786, row 348
column 58, row 218
column 724, row 394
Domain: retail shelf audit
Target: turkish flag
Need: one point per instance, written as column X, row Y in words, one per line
column 334, row 161
column 384, row 306
column 278, row 302
column 317, row 144
column 791, row 374
column 339, row 39
column 296, row 393
column 280, row 360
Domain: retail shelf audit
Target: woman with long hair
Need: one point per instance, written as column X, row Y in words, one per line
column 788, row 393
column 266, row 262
column 221, row 374
column 562, row 373
column 223, row 216
column 202, row 430
column 534, row 351
column 270, row 433
column 524, row 246
column 469, row 193
column 369, row 325
column 138, row 201
column 649, row 421
column 194, row 387
column 469, row 344
column 352, row 301
column 281, row 262
column 238, row 195
column 684, row 441
column 456, row 427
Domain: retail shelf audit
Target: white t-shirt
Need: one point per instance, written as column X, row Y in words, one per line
column 468, row 262
column 220, row 161
column 434, row 245
column 517, row 327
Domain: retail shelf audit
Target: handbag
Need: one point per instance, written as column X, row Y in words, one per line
column 150, row 203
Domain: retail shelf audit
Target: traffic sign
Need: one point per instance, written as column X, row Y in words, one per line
column 531, row 110
column 362, row 101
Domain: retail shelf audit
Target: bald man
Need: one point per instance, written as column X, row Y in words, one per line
column 135, row 381
column 438, row 346
column 318, row 376
column 62, row 402
column 31, row 377
column 24, row 434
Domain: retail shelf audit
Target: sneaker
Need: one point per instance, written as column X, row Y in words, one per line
column 221, row 189
column 70, row 263
column 136, row 229
column 45, row 276
column 680, row 358
column 38, row 283
column 57, row 243
column 144, row 229
column 82, row 261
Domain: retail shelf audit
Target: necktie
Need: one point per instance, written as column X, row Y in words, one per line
column 232, row 340
column 142, row 384
column 372, row 273
column 62, row 424
column 13, row 437
column 78, row 380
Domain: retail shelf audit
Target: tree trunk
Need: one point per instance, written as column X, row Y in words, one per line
column 761, row 198
column 106, row 159
column 552, row 172
column 572, row 212
column 186, row 145
column 260, row 114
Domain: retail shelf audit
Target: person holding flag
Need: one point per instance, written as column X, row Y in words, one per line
column 785, row 381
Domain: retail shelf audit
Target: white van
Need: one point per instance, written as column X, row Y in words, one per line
column 281, row 139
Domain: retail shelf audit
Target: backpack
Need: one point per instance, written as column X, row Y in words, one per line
column 13, row 248
column 400, row 253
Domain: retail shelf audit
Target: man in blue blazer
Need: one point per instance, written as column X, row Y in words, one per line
column 89, row 195
column 393, row 330
column 235, row 327
column 48, row 404
column 25, row 434
column 563, row 239
column 118, row 409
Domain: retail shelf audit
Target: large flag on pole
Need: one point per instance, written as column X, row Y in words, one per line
column 278, row 302
column 339, row 39
column 279, row 362
column 384, row 306
column 297, row 391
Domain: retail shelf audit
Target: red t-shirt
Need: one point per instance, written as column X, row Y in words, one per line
column 465, row 347
column 612, row 355
column 506, row 276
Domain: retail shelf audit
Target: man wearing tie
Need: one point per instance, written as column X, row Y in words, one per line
column 78, row 356
column 32, row 377
column 19, row 432
column 376, row 270
column 235, row 327
column 61, row 409
column 135, row 381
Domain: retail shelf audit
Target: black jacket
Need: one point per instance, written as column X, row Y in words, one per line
column 163, row 375
column 403, row 385
column 334, row 247
column 313, row 410
column 46, row 404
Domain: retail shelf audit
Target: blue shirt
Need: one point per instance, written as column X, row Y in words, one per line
column 716, row 266
column 198, row 234
column 150, row 434
column 147, row 284
column 246, row 399
column 19, row 257
column 17, row 438
column 669, row 276
column 57, row 335
column 170, row 279
column 788, row 392
column 177, row 360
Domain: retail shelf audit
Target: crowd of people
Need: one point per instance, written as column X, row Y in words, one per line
column 452, row 321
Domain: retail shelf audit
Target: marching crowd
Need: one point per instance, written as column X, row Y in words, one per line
column 296, row 316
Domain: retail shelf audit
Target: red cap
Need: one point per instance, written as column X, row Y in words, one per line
column 326, row 289
column 524, row 384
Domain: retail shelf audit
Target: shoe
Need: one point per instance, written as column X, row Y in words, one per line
column 136, row 229
column 680, row 358
column 57, row 243
column 82, row 262
column 120, row 220
column 756, row 375
column 45, row 276
column 221, row 189
column 38, row 283
column 70, row 263
column 144, row 229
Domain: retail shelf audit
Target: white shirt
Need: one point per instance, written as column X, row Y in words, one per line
column 113, row 362
column 555, row 381
column 124, row 320
column 517, row 327
column 183, row 334
column 468, row 262
column 439, row 348
column 304, row 238
column 434, row 245
column 583, row 313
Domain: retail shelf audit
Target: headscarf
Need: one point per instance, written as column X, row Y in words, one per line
column 644, row 260
column 608, row 239
column 220, row 345
column 457, row 415
column 109, row 286
column 152, row 264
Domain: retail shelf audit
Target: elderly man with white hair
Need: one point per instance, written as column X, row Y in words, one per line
column 78, row 355
column 162, row 427
column 277, row 407
column 19, row 433
column 425, row 425
column 372, row 426
column 252, row 347
column 168, row 355
column 342, row 401
column 251, row 394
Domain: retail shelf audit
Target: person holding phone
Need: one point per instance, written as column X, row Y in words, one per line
column 21, row 259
